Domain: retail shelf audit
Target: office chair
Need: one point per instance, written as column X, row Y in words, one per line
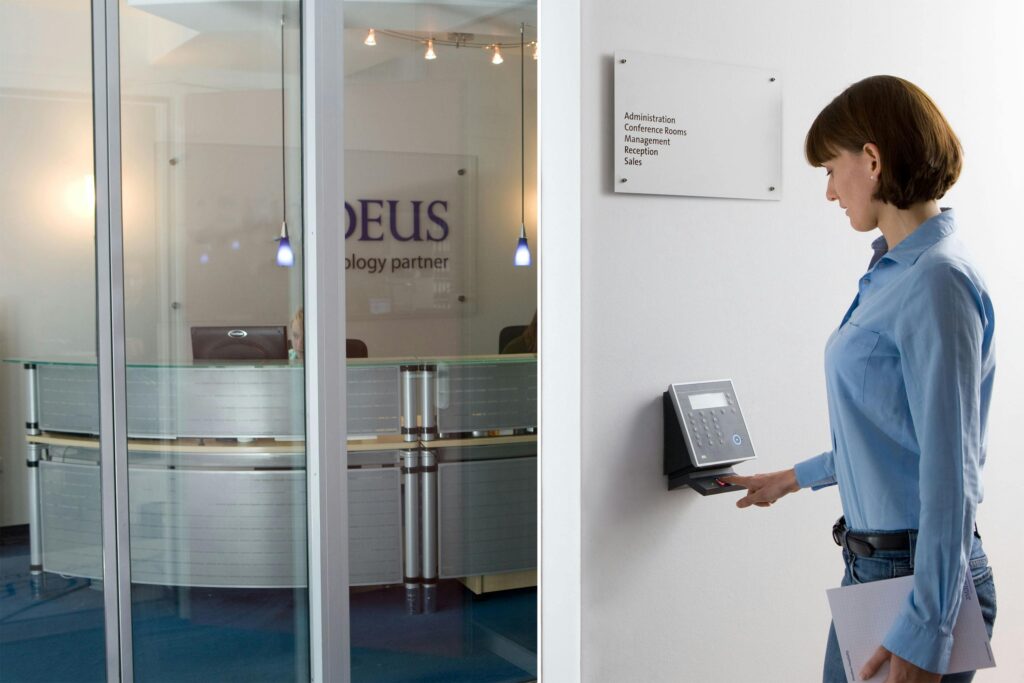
column 356, row 348
column 507, row 334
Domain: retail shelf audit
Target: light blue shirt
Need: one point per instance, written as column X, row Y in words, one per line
column 909, row 378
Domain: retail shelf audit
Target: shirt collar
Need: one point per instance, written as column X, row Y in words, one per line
column 924, row 237
column 879, row 247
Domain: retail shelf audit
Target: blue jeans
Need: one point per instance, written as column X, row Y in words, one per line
column 888, row 564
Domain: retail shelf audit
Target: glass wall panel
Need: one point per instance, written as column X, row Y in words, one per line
column 51, row 605
column 211, row 165
column 440, row 168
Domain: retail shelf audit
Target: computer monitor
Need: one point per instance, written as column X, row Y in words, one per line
column 244, row 342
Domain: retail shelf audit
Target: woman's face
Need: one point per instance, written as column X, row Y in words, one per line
column 852, row 181
column 297, row 338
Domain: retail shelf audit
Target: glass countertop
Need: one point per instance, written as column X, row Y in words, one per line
column 509, row 358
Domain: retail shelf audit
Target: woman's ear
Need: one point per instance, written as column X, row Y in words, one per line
column 873, row 159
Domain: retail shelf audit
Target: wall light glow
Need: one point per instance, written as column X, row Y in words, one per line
column 80, row 197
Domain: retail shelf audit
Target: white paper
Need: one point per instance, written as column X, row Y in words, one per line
column 863, row 613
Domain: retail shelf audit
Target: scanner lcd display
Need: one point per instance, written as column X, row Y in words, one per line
column 702, row 401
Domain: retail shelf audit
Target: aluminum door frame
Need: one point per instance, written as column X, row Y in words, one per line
column 110, row 346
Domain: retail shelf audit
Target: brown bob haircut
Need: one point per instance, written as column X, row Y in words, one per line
column 921, row 155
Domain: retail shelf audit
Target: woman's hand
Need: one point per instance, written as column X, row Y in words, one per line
column 764, row 489
column 900, row 670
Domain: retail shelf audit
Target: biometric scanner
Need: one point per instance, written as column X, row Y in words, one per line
column 704, row 435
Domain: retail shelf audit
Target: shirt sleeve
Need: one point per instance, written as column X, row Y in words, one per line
column 817, row 472
column 940, row 339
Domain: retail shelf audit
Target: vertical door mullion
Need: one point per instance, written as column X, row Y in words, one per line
column 560, row 381
column 110, row 339
column 324, row 285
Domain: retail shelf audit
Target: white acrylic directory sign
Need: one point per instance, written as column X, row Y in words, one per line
column 686, row 127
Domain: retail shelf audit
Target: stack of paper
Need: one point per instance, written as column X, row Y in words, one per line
column 863, row 613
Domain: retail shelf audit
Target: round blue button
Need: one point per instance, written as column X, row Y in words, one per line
column 737, row 439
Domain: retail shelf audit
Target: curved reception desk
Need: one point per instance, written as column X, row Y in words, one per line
column 441, row 471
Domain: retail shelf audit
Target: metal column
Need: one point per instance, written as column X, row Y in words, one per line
column 428, row 520
column 410, row 422
column 411, row 530
column 428, row 402
column 32, row 461
column 419, row 479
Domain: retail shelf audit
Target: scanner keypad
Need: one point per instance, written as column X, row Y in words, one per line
column 716, row 433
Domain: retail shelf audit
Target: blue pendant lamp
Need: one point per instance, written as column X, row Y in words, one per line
column 522, row 256
column 285, row 255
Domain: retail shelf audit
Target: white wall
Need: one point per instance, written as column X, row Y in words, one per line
column 678, row 587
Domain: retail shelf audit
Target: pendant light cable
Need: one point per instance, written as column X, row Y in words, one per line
column 284, row 189
column 522, row 123
column 285, row 255
column 522, row 254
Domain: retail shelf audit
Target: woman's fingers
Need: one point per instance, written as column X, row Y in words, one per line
column 880, row 657
column 760, row 492
column 738, row 480
column 755, row 496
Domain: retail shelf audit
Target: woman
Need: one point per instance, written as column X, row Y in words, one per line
column 909, row 377
column 525, row 342
column 295, row 332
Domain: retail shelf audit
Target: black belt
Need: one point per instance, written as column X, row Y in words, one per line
column 865, row 545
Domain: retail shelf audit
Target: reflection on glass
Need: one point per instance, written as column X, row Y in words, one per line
column 51, row 605
column 442, row 484
column 210, row 150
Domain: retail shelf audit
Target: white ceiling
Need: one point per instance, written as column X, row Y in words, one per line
column 499, row 17
column 242, row 35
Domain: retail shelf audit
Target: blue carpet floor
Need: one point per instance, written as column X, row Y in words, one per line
column 51, row 631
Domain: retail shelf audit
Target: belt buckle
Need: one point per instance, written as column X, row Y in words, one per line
column 838, row 530
column 852, row 545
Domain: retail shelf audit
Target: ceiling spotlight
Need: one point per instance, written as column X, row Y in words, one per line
column 430, row 54
column 497, row 58
column 371, row 39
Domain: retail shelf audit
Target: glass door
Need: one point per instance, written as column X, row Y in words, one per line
column 51, row 561
column 151, row 325
column 441, row 301
column 152, row 316
column 213, row 320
